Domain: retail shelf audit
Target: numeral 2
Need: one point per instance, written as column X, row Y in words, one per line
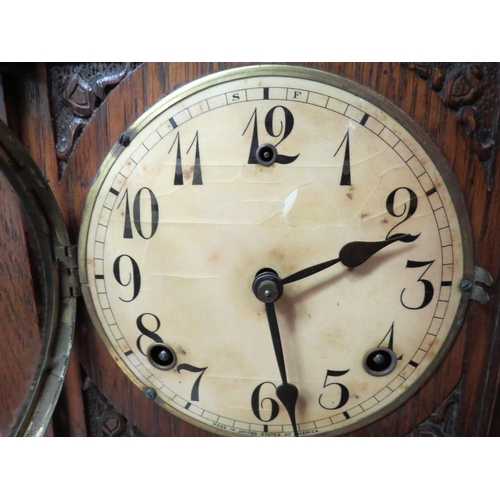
column 409, row 209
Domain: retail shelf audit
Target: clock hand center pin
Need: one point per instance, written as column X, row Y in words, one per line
column 268, row 288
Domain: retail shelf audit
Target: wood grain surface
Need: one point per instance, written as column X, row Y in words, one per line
column 469, row 355
column 20, row 341
column 467, row 381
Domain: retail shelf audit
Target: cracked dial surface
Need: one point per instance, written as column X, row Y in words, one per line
column 182, row 218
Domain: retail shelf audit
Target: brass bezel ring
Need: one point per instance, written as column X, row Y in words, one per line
column 50, row 239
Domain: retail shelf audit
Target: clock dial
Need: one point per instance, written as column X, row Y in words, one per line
column 274, row 227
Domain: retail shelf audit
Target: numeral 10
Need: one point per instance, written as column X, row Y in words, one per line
column 136, row 217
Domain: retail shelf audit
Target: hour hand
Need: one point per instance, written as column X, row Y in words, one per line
column 352, row 254
column 355, row 253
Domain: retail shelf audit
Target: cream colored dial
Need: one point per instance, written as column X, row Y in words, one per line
column 274, row 168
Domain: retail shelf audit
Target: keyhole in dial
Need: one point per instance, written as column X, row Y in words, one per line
column 380, row 361
column 162, row 356
column 266, row 155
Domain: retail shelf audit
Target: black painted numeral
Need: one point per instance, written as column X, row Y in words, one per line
column 179, row 174
column 342, row 398
column 284, row 129
column 197, row 180
column 276, row 128
column 258, row 404
column 388, row 340
column 195, row 394
column 178, row 177
column 345, row 179
column 130, row 277
column 428, row 287
column 146, row 332
column 137, row 217
column 408, row 210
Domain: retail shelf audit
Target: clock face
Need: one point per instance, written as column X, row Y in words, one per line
column 203, row 245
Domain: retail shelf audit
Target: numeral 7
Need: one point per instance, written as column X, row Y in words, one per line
column 190, row 368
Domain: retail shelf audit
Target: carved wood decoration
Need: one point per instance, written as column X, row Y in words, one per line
column 471, row 90
column 455, row 104
column 103, row 420
column 76, row 92
column 443, row 421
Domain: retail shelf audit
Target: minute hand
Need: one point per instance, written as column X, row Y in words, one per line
column 352, row 254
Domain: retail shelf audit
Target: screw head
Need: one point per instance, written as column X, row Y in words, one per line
column 466, row 285
column 124, row 140
column 150, row 393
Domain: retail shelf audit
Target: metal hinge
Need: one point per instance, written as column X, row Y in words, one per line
column 71, row 278
column 477, row 292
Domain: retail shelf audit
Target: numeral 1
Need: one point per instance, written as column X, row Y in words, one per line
column 179, row 175
column 345, row 179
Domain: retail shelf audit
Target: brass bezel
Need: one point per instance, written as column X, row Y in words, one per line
column 333, row 80
column 58, row 309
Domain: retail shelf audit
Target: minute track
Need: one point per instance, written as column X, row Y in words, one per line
column 239, row 223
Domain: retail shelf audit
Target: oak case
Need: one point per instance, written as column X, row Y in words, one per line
column 466, row 381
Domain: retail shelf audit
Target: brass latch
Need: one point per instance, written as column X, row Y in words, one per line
column 71, row 279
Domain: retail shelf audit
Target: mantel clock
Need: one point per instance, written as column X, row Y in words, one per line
column 275, row 250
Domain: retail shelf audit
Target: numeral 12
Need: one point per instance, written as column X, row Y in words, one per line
column 285, row 128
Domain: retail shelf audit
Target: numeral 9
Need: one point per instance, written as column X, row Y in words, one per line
column 132, row 279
